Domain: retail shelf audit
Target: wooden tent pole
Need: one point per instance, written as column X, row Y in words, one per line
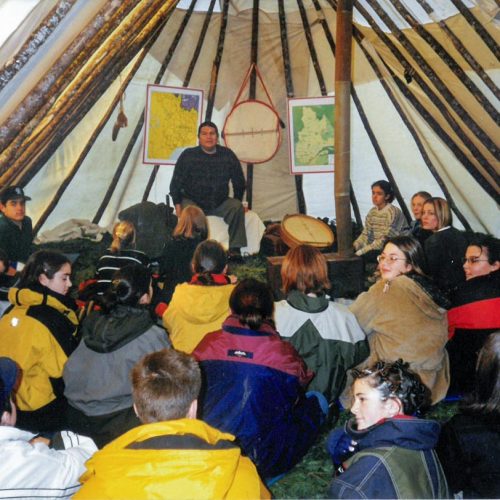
column 449, row 61
column 478, row 27
column 37, row 38
column 65, row 111
column 461, row 49
column 343, row 126
column 140, row 122
column 287, row 70
column 254, row 52
column 187, row 79
column 76, row 166
column 480, row 158
column 216, row 64
column 371, row 136
column 448, row 96
column 34, row 106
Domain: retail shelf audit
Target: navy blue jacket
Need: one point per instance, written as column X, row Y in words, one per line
column 254, row 388
column 395, row 459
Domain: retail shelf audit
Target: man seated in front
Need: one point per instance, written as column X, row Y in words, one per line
column 201, row 177
column 16, row 232
column 36, row 467
column 172, row 455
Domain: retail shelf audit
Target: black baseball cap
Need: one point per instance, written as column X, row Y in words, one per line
column 13, row 193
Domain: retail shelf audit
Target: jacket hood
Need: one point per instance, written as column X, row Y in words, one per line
column 108, row 332
column 38, row 295
column 405, row 432
column 200, row 304
column 306, row 303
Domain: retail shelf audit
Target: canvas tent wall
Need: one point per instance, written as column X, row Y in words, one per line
column 424, row 108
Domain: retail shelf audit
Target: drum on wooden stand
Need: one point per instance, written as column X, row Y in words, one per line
column 299, row 229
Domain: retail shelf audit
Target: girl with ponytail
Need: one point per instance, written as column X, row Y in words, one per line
column 97, row 375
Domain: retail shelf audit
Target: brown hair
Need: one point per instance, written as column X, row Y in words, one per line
column 123, row 236
column 164, row 384
column 252, row 301
column 305, row 269
column 412, row 250
column 442, row 211
column 423, row 194
column 192, row 223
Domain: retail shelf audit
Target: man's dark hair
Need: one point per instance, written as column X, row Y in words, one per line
column 208, row 124
column 489, row 242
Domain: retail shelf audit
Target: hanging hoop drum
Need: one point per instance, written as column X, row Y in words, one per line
column 252, row 130
column 305, row 230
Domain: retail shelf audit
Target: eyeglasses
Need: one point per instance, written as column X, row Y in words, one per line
column 389, row 258
column 473, row 260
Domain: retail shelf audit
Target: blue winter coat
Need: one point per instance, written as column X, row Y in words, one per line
column 253, row 388
column 395, row 459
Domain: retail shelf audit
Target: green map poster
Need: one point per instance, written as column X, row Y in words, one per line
column 172, row 118
column 311, row 125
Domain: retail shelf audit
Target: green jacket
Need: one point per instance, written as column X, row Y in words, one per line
column 326, row 335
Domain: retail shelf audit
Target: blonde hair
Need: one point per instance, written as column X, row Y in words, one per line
column 441, row 210
column 123, row 236
column 192, row 223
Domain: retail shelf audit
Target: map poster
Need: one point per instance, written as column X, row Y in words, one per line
column 311, row 125
column 173, row 115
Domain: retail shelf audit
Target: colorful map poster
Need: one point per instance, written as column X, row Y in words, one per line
column 311, row 125
column 173, row 115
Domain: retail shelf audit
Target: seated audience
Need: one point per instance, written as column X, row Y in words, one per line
column 16, row 233
column 384, row 451
column 96, row 375
column 172, row 454
column 254, row 384
column 121, row 253
column 475, row 311
column 403, row 316
column 36, row 467
column 445, row 248
column 417, row 205
column 200, row 306
column 175, row 261
column 384, row 220
column 39, row 334
column 325, row 334
column 469, row 445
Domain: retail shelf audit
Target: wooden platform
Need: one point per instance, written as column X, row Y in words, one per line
column 345, row 274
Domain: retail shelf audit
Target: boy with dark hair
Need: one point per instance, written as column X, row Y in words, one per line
column 16, row 232
column 173, row 455
column 30, row 468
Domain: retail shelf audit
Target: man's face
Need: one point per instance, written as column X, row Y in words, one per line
column 14, row 209
column 208, row 138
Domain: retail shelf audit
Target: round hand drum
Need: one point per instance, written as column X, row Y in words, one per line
column 252, row 130
column 301, row 229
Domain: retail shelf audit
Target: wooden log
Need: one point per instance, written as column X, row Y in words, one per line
column 71, row 107
column 422, row 64
column 462, row 49
column 36, row 104
column 287, row 70
column 343, row 127
column 216, row 65
column 449, row 61
column 37, row 38
column 440, row 106
column 376, row 147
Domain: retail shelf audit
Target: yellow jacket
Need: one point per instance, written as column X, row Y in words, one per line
column 194, row 311
column 38, row 333
column 178, row 459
